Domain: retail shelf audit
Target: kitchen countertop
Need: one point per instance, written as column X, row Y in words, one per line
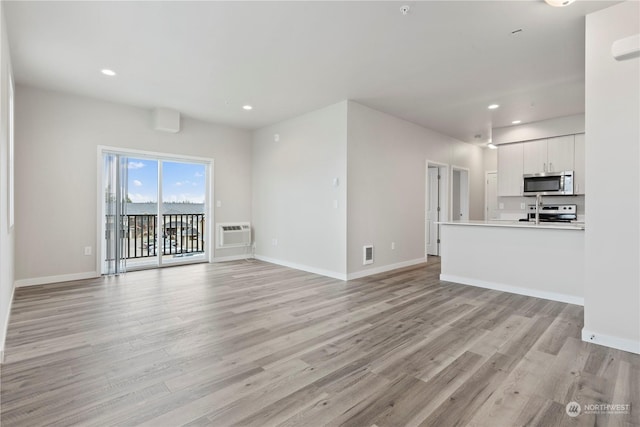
column 519, row 224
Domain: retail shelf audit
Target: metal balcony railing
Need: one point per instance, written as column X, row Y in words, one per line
column 180, row 234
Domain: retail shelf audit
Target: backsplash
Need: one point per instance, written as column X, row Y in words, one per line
column 509, row 207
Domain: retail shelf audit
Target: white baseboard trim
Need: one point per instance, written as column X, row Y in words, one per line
column 610, row 341
column 232, row 258
column 45, row 280
column 385, row 268
column 5, row 327
column 553, row 296
column 320, row 271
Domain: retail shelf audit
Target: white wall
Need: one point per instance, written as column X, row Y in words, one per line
column 293, row 193
column 56, row 150
column 386, row 186
column 6, row 234
column 557, row 126
column 612, row 286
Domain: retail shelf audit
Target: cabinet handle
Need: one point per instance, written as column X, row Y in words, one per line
column 550, row 167
column 544, row 167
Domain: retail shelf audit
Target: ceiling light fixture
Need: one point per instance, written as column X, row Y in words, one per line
column 516, row 122
column 492, row 146
column 559, row 3
column 108, row 72
column 247, row 107
column 493, row 106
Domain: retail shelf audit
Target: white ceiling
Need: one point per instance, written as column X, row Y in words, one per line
column 439, row 66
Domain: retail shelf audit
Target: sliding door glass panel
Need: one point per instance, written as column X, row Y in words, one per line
column 141, row 213
column 183, row 211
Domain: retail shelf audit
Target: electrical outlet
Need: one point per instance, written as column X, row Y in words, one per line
column 87, row 250
column 522, row 206
column 218, row 204
column 274, row 241
column 501, row 206
column 393, row 246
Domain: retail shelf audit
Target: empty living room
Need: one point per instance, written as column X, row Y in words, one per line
column 320, row 213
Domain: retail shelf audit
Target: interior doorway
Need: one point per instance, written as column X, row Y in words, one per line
column 436, row 206
column 491, row 211
column 459, row 194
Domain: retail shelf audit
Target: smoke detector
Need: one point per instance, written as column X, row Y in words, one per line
column 405, row 9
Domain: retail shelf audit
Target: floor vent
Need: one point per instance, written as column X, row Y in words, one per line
column 367, row 255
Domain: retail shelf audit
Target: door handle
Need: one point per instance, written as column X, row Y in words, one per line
column 550, row 167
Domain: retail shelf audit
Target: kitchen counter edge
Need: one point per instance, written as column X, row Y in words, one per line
column 518, row 224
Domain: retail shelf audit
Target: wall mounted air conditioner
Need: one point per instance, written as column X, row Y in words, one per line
column 234, row 234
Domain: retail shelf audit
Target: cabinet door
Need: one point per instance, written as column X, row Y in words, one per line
column 510, row 159
column 560, row 153
column 579, row 165
column 535, row 156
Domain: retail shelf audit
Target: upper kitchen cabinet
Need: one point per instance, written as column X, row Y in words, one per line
column 549, row 155
column 560, row 153
column 535, row 156
column 579, row 165
column 510, row 169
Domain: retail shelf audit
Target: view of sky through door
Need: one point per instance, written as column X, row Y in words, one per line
column 181, row 182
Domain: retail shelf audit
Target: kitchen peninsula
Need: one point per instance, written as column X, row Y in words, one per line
column 543, row 260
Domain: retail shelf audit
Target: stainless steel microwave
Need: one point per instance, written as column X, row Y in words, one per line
column 548, row 184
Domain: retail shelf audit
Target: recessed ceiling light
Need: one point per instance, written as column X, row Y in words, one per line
column 516, row 122
column 108, row 72
column 559, row 3
column 247, row 107
column 493, row 106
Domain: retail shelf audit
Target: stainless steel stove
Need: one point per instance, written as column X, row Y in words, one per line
column 553, row 213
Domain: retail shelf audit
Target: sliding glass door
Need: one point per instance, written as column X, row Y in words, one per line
column 154, row 211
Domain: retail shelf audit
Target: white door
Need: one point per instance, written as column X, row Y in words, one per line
column 491, row 191
column 433, row 210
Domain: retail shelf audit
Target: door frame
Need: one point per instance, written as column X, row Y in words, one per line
column 209, row 194
column 486, row 193
column 443, row 169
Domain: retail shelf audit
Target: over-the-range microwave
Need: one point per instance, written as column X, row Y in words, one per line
column 548, row 184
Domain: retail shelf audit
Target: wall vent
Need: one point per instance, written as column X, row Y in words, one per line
column 367, row 255
column 234, row 234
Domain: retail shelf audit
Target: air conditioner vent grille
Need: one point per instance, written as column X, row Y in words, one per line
column 232, row 235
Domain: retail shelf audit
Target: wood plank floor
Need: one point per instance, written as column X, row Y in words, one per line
column 255, row 344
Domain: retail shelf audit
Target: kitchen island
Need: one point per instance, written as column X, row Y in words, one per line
column 542, row 260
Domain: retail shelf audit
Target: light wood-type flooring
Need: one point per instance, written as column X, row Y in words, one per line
column 251, row 343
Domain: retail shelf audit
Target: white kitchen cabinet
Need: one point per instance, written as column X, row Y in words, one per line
column 549, row 155
column 510, row 169
column 535, row 156
column 579, row 165
column 560, row 153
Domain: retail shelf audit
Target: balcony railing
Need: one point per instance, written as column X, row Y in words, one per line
column 181, row 234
